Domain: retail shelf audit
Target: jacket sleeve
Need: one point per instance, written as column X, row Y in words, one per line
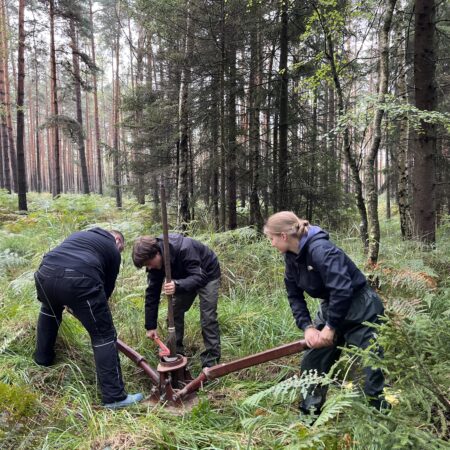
column 196, row 278
column 297, row 302
column 331, row 264
column 111, row 276
column 152, row 296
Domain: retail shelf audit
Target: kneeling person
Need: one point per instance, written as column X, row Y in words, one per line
column 195, row 270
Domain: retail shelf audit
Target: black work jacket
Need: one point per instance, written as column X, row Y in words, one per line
column 193, row 265
column 323, row 271
column 93, row 253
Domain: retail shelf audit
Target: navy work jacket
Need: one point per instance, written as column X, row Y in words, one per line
column 323, row 271
column 93, row 253
column 193, row 265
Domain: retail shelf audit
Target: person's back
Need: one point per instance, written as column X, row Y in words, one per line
column 80, row 274
column 92, row 253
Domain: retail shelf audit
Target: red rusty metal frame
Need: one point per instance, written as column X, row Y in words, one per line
column 173, row 382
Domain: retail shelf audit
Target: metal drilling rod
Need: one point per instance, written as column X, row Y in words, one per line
column 219, row 370
column 139, row 360
column 168, row 273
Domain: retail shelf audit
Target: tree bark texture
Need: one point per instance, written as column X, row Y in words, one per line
column 371, row 157
column 77, row 89
column 183, row 116
column 424, row 183
column 21, row 170
column 283, row 201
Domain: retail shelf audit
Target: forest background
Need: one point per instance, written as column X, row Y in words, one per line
column 242, row 108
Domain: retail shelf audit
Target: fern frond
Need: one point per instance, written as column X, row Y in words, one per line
column 335, row 405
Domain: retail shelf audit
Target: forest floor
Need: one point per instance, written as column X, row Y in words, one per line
column 59, row 407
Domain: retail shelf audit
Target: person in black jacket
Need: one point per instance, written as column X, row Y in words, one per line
column 316, row 266
column 195, row 270
column 81, row 274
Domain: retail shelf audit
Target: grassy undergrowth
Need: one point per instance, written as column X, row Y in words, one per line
column 59, row 408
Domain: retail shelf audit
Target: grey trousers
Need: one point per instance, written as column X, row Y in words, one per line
column 208, row 295
column 366, row 307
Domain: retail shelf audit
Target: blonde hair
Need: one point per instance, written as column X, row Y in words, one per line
column 286, row 222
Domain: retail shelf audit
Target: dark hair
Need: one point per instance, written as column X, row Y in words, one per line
column 145, row 248
column 118, row 233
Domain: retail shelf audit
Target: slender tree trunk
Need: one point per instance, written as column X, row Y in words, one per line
column 283, row 202
column 231, row 140
column 346, row 144
column 21, row 171
column 215, row 160
column 424, row 183
column 371, row 157
column 254, row 113
column 56, row 172
column 36, row 126
column 96, row 113
column 312, row 169
column 12, row 157
column 116, row 159
column 77, row 89
column 183, row 116
column 399, row 155
column 5, row 165
column 388, row 182
column 223, row 145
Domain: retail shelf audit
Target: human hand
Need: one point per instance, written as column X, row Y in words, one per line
column 151, row 334
column 312, row 337
column 326, row 337
column 169, row 288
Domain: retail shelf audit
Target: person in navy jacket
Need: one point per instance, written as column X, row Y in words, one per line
column 81, row 274
column 316, row 266
column 195, row 270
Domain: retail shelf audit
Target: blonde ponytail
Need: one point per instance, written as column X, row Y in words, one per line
column 286, row 222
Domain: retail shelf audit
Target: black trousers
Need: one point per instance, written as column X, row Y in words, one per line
column 58, row 287
column 209, row 295
column 366, row 307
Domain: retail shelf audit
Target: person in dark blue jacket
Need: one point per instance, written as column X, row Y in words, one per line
column 81, row 274
column 316, row 266
column 195, row 270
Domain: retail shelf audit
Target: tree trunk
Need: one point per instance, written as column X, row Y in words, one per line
column 56, row 171
column 96, row 114
column 254, row 112
column 77, row 88
column 424, row 148
column 21, row 171
column 231, row 140
column 371, row 157
column 283, row 202
column 10, row 132
column 183, row 116
column 346, row 144
column 223, row 145
column 116, row 101
column 36, row 119
column 5, row 165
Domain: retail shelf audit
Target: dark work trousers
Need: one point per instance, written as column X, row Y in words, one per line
column 58, row 287
column 366, row 307
column 209, row 295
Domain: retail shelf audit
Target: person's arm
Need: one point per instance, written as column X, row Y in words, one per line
column 152, row 297
column 331, row 263
column 297, row 302
column 111, row 275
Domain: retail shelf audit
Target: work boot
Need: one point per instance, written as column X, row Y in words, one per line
column 129, row 400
